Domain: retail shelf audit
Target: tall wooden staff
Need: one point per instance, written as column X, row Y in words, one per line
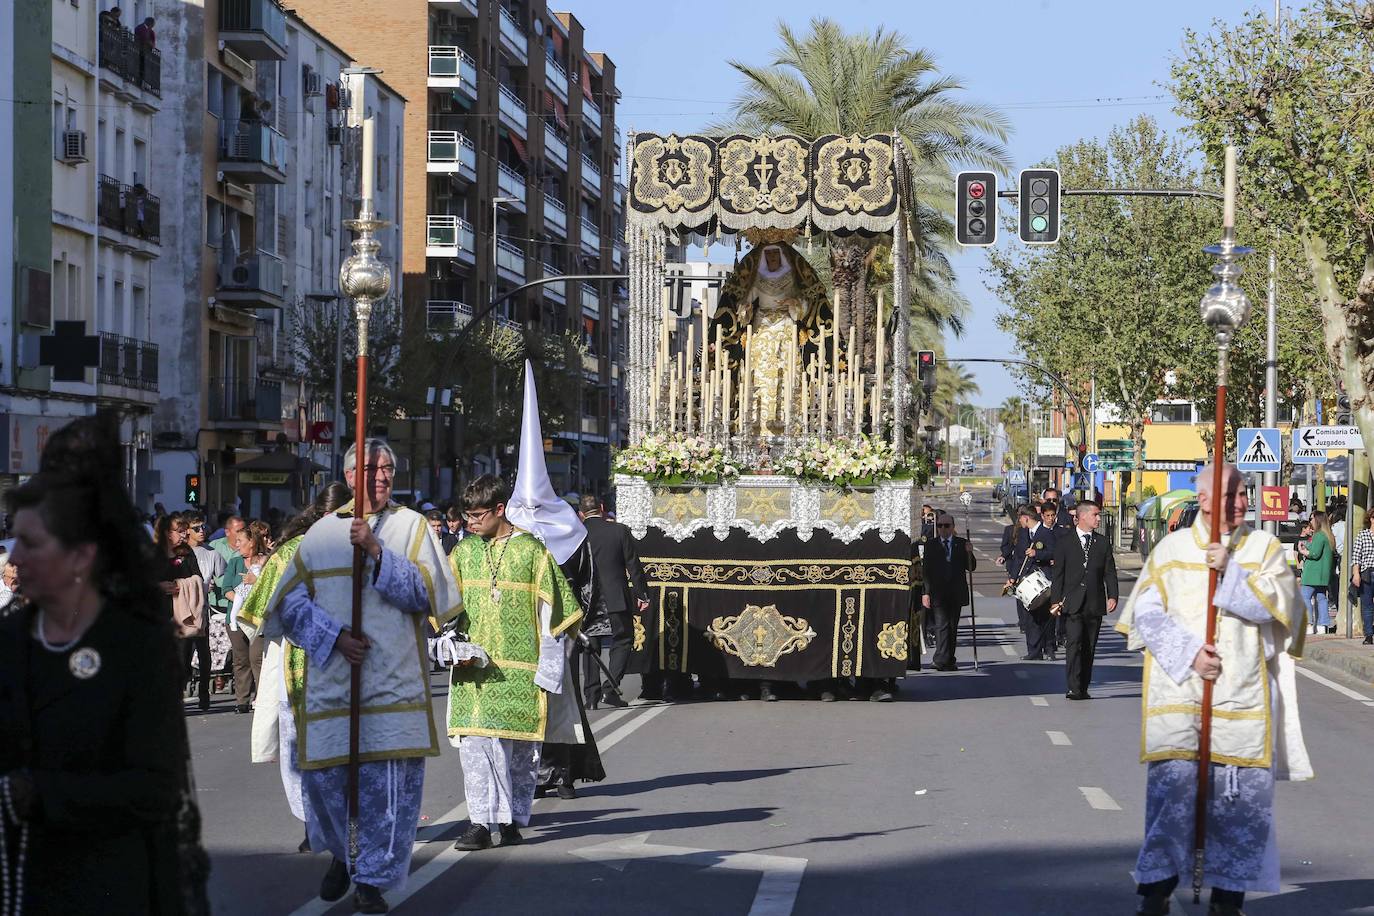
column 365, row 279
column 1224, row 309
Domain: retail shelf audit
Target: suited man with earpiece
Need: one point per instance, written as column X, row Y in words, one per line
column 1083, row 590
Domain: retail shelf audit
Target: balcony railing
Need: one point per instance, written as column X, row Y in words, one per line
column 513, row 111
column 555, row 147
column 510, row 258
column 444, row 315
column 122, row 54
column 253, row 142
column 449, row 147
column 556, row 215
column 591, row 299
column 591, row 115
column 249, row 400
column 510, row 183
column 448, row 62
column 554, row 291
column 446, row 231
column 591, row 236
column 591, row 175
column 255, row 29
column 556, row 78
column 512, row 34
column 128, row 362
column 131, row 210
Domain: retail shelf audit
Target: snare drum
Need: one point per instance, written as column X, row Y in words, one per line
column 1033, row 590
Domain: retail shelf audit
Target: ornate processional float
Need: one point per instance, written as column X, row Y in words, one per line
column 768, row 479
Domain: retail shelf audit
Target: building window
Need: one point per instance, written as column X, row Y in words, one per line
column 214, row 91
column 1171, row 413
column 214, row 222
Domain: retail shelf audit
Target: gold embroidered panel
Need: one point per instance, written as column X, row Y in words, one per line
column 854, row 183
column 673, row 179
column 892, row 640
column 848, row 507
column 764, row 181
column 678, row 506
column 895, row 573
column 759, row 636
column 841, row 184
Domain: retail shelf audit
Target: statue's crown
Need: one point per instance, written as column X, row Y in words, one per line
column 757, row 237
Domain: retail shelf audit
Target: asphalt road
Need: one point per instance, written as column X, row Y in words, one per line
column 980, row 791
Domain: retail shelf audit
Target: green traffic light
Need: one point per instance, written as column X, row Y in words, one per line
column 1039, row 224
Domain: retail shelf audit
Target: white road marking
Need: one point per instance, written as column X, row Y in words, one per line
column 1009, row 649
column 1099, row 799
column 1339, row 688
column 777, row 892
column 1039, row 701
column 1059, row 739
column 449, row 857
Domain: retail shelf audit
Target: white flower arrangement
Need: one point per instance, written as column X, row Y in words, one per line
column 675, row 460
column 845, row 462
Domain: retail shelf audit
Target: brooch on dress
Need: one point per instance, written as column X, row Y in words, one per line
column 84, row 663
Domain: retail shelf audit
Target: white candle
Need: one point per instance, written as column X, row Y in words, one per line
column 689, row 378
column 369, row 156
column 746, row 401
column 1228, row 219
column 725, row 401
column 881, row 354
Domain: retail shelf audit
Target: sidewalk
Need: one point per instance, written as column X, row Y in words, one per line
column 1347, row 657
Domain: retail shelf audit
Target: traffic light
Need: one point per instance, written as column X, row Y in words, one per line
column 925, row 367
column 1039, row 200
column 193, row 489
column 975, row 212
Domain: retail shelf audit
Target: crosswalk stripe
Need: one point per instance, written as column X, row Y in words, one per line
column 1099, row 799
column 1059, row 739
column 1039, row 701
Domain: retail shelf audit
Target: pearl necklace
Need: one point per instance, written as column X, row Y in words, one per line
column 43, row 640
column 11, row 896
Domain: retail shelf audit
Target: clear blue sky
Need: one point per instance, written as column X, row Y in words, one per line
column 1060, row 69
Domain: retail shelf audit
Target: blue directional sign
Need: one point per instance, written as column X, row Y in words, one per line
column 1091, row 463
column 1259, row 449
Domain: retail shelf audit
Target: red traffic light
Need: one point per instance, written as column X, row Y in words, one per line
column 976, row 190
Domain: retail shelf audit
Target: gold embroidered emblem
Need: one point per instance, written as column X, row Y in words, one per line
column 759, row 636
column 892, row 640
column 638, row 620
column 679, row 507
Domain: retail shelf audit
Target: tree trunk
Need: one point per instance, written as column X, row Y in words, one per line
column 849, row 273
column 1138, row 459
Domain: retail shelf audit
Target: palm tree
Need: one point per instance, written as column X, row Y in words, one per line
column 833, row 82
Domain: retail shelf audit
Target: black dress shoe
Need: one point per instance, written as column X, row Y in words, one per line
column 1032, row 657
column 1368, row 641
column 946, row 667
column 566, row 792
column 881, row 695
column 477, row 837
column 335, row 883
column 613, row 698
column 243, row 708
column 1053, row 656
column 305, row 845
column 827, row 696
column 1075, row 695
column 368, row 899
column 1153, row 905
column 767, row 695
column 510, row 836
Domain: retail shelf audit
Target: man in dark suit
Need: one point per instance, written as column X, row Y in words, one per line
column 623, row 588
column 1084, row 590
column 946, row 562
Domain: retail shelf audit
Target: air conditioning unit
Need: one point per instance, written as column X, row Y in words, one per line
column 312, row 81
column 242, row 275
column 334, row 134
column 74, row 146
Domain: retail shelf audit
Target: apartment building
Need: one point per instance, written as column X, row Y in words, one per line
column 261, row 157
column 80, row 228
column 512, row 160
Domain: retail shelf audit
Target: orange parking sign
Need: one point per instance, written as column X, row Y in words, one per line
column 1273, row 504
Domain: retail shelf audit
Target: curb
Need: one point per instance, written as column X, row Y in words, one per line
column 1350, row 664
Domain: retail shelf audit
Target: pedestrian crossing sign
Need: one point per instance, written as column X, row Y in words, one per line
column 1259, row 449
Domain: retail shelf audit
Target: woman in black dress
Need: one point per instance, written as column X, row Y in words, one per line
column 98, row 815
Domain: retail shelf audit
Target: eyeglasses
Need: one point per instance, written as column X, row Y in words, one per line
column 381, row 470
column 197, row 527
column 478, row 516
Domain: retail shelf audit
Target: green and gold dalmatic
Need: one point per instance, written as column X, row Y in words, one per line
column 502, row 700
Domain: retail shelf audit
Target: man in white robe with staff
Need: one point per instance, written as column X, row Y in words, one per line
column 1256, row 733
column 407, row 580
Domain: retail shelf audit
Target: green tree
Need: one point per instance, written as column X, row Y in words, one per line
column 829, row 81
column 1014, row 415
column 1299, row 105
column 1116, row 298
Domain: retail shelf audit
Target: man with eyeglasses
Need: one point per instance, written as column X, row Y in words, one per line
column 405, row 580
column 945, row 564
